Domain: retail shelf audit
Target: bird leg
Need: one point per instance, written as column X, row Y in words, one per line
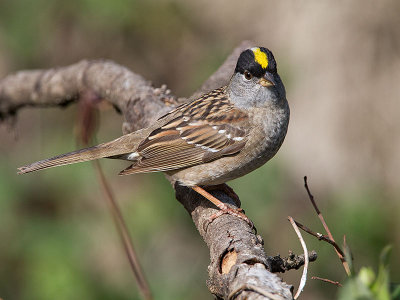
column 224, row 209
column 226, row 189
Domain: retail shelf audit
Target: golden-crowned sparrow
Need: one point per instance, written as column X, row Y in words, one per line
column 220, row 136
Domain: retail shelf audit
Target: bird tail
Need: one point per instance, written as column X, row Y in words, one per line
column 117, row 148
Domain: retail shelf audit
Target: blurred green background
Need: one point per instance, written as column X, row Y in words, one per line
column 341, row 68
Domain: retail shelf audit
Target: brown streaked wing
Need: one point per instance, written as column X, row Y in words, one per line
column 166, row 162
column 198, row 132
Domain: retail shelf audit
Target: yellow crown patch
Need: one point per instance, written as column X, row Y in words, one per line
column 260, row 57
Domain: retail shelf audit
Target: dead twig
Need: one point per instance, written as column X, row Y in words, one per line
column 321, row 217
column 123, row 233
column 320, row 236
column 327, row 280
column 306, row 260
column 87, row 126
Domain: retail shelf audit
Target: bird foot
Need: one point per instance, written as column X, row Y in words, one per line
column 223, row 208
column 237, row 212
column 226, row 189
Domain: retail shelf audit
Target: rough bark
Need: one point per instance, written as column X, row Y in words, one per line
column 239, row 267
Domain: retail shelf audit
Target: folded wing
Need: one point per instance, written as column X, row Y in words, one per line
column 198, row 132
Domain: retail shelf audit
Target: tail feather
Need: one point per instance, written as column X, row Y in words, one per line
column 117, row 148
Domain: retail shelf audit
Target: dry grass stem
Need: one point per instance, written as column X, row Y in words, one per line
column 306, row 260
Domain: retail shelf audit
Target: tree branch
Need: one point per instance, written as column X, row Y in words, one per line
column 239, row 266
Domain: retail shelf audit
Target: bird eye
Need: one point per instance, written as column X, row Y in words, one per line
column 247, row 75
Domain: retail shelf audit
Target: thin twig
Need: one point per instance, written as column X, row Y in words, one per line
column 320, row 236
column 123, row 233
column 303, row 244
column 87, row 124
column 327, row 280
column 320, row 216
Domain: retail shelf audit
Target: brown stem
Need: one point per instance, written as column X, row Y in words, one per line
column 327, row 280
column 321, row 237
column 321, row 217
column 123, row 233
column 87, row 120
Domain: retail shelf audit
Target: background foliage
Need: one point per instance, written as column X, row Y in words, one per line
column 341, row 67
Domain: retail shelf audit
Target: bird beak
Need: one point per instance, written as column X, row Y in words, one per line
column 267, row 80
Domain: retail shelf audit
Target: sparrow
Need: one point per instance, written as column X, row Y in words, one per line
column 220, row 136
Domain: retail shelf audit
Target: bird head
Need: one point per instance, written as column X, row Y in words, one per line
column 256, row 82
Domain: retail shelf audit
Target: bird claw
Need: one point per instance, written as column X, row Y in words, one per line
column 226, row 189
column 237, row 212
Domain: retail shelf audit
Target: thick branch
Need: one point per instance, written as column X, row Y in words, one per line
column 130, row 93
column 239, row 265
column 238, row 260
